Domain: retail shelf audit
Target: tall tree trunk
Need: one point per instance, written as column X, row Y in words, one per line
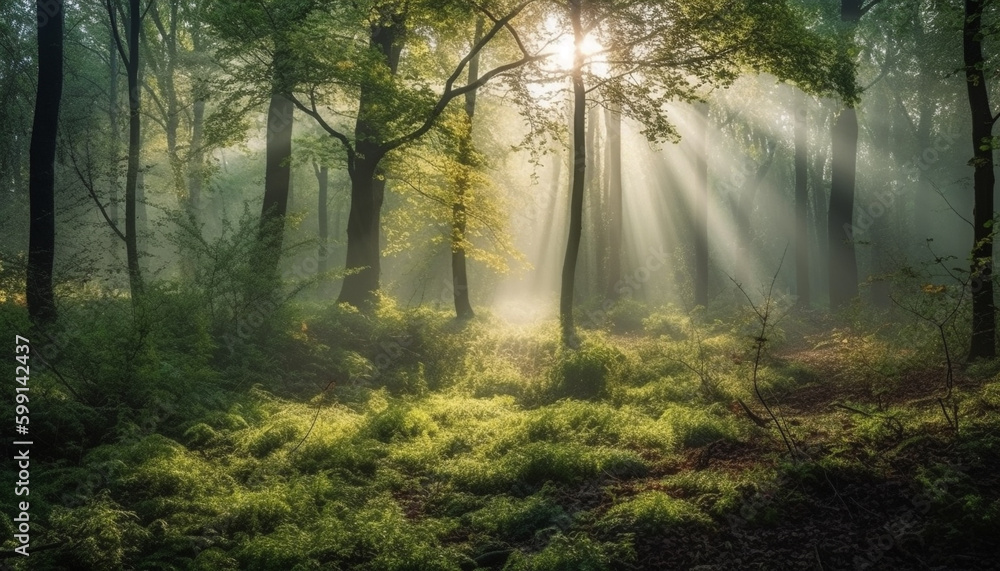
column 196, row 154
column 843, row 261
column 616, row 214
column 115, row 135
column 701, row 209
column 277, row 175
column 42, row 156
column 983, row 343
column 587, row 262
column 165, row 77
column 134, row 147
column 743, row 216
column 547, row 218
column 463, row 187
column 801, row 137
column 196, row 159
column 817, row 183
column 880, row 127
column 322, row 179
column 367, row 178
column 579, row 172
column 363, row 234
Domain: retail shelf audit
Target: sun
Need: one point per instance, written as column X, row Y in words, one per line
column 564, row 50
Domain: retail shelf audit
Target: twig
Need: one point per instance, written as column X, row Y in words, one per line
column 763, row 315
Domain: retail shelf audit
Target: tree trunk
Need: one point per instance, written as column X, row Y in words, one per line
column 134, row 147
column 817, row 182
column 277, row 173
column 463, row 186
column 744, row 214
column 196, row 154
column 42, row 155
column 880, row 127
column 701, row 209
column 115, row 135
column 983, row 343
column 801, row 205
column 579, row 172
column 843, row 261
column 196, row 161
column 616, row 214
column 367, row 179
column 363, row 234
column 322, row 179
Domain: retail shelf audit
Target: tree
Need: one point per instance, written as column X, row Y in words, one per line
column 391, row 113
column 259, row 38
column 463, row 187
column 616, row 215
column 801, row 142
column 577, row 178
column 983, row 343
column 675, row 51
column 130, row 56
column 701, row 201
column 844, row 154
column 41, row 156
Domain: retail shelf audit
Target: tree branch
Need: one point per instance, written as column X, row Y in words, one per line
column 312, row 112
column 88, row 184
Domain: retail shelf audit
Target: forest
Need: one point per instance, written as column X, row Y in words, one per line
column 521, row 285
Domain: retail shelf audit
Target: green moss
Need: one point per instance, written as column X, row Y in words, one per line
column 516, row 519
column 574, row 552
column 650, row 513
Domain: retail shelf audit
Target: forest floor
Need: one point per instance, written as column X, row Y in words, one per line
column 410, row 441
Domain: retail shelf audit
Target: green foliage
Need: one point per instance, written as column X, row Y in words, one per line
column 713, row 492
column 103, row 535
column 627, row 315
column 573, row 552
column 374, row 475
column 515, row 518
column 667, row 321
column 650, row 513
column 584, row 373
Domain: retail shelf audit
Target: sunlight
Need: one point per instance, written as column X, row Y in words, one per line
column 564, row 49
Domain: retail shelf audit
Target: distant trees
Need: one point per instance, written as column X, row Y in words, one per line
column 41, row 156
column 678, row 50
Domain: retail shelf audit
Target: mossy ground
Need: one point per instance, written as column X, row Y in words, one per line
column 408, row 440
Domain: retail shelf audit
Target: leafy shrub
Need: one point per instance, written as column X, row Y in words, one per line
column 400, row 421
column 667, row 321
column 101, row 534
column 584, row 373
column 627, row 315
column 699, row 426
